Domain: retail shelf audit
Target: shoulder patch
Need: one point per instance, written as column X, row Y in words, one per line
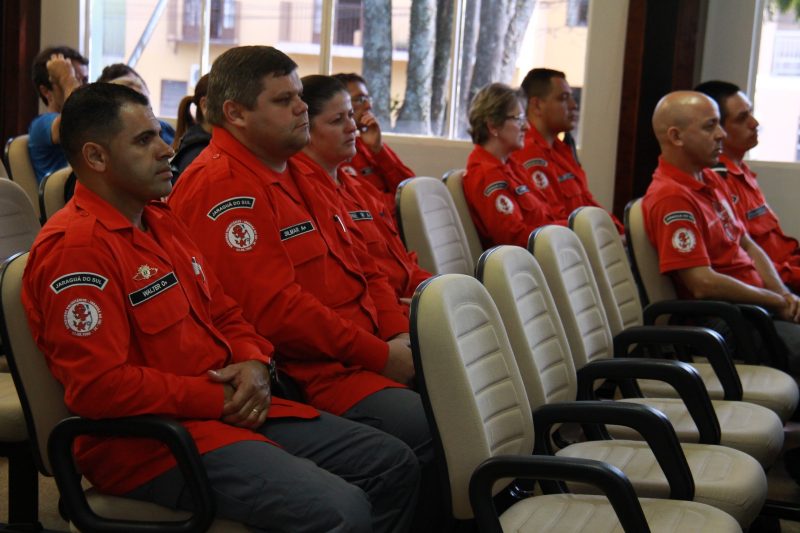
column 159, row 286
column 87, row 279
column 675, row 216
column 540, row 179
column 536, row 162
column 237, row 202
column 82, row 317
column 504, row 204
column 241, row 235
column 360, row 215
column 683, row 240
column 757, row 212
column 297, row 229
column 495, row 186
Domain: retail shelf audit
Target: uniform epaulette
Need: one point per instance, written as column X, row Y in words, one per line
column 79, row 230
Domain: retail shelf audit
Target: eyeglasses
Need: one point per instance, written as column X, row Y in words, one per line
column 362, row 99
column 521, row 118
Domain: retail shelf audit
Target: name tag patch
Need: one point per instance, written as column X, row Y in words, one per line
column 89, row 279
column 159, row 286
column 239, row 202
column 522, row 189
column 566, row 177
column 495, row 186
column 366, row 171
column 757, row 212
column 676, row 216
column 538, row 162
column 298, row 229
column 358, row 216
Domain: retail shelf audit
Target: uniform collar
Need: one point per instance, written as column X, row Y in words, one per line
column 533, row 136
column 732, row 167
column 88, row 201
column 670, row 172
column 483, row 157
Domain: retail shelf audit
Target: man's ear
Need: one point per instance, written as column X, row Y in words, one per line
column 674, row 136
column 534, row 105
column 46, row 93
column 95, row 156
column 233, row 112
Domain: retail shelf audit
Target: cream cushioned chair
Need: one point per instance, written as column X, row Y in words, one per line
column 20, row 168
column 480, row 415
column 760, row 384
column 430, row 226
column 454, row 181
column 51, row 192
column 19, row 223
column 42, row 398
column 723, row 477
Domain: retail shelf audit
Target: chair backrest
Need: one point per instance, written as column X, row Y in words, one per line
column 430, row 227
column 453, row 180
column 516, row 283
column 20, row 168
column 3, row 171
column 471, row 388
column 612, row 270
column 654, row 285
column 51, row 192
column 19, row 223
column 569, row 276
column 42, row 397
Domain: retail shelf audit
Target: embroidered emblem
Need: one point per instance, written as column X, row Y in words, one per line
column 522, row 189
column 676, row 216
column 495, row 186
column 350, row 171
column 566, row 177
column 297, row 229
column 537, row 162
column 73, row 279
column 159, row 286
column 684, row 240
column 241, row 235
column 145, row 272
column 238, row 202
column 82, row 317
column 358, row 216
column 757, row 212
column 504, row 204
column 725, row 214
column 540, row 179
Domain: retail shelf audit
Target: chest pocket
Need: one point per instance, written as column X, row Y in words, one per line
column 159, row 304
column 302, row 242
column 760, row 220
column 568, row 185
column 525, row 198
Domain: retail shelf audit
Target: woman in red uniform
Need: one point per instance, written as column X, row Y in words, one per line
column 505, row 204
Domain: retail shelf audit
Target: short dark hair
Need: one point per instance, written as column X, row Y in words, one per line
column 237, row 75
column 719, row 91
column 318, row 89
column 39, row 68
column 91, row 113
column 490, row 106
column 537, row 82
column 350, row 77
column 117, row 70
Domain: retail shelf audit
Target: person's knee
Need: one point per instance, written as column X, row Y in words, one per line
column 346, row 510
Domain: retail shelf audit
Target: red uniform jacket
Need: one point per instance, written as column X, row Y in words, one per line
column 130, row 322
column 557, row 174
column 280, row 245
column 761, row 222
column 383, row 170
column 370, row 218
column 691, row 224
column 505, row 206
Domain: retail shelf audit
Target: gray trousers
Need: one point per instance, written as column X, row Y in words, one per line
column 330, row 474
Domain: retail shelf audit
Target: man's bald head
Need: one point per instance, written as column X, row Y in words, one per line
column 686, row 124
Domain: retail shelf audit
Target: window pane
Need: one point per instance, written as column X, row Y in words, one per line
column 777, row 86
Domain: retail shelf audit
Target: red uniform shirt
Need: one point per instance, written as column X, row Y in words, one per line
column 384, row 170
column 130, row 322
column 761, row 222
column 692, row 224
column 370, row 218
column 556, row 173
column 505, row 205
column 280, row 245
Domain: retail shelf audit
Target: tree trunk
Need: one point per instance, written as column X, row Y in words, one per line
column 415, row 114
column 517, row 26
column 441, row 64
column 376, row 65
column 494, row 22
column 470, row 39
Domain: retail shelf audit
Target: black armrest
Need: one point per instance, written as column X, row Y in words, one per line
column 681, row 376
column 168, row 431
column 606, row 477
column 652, row 424
column 704, row 341
column 728, row 312
column 762, row 321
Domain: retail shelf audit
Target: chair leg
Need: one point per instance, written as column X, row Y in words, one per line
column 23, row 487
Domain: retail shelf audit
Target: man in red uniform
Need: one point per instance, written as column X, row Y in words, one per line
column 736, row 114
column 281, row 248
column 700, row 241
column 374, row 161
column 133, row 321
column 549, row 161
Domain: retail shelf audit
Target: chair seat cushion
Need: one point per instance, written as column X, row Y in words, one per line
column 724, row 478
column 753, row 429
column 12, row 421
column 571, row 512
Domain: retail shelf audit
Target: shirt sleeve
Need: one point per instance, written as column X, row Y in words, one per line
column 673, row 226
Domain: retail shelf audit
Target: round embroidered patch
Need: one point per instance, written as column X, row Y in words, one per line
column 241, row 235
column 540, row 179
column 82, row 317
column 683, row 240
column 504, row 204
